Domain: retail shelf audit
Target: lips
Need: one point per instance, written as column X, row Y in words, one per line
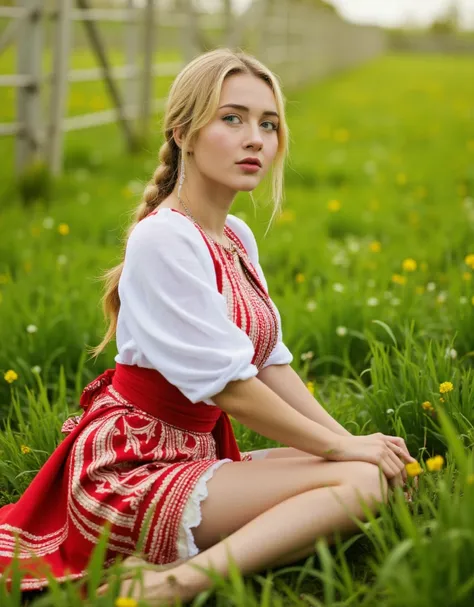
column 253, row 161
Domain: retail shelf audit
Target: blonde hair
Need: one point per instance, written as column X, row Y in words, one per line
column 192, row 103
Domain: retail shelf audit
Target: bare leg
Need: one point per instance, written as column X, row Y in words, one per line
column 288, row 528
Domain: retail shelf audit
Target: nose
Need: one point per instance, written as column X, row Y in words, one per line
column 255, row 140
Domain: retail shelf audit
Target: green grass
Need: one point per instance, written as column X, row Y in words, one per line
column 382, row 154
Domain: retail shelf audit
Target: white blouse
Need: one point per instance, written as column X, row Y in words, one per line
column 172, row 317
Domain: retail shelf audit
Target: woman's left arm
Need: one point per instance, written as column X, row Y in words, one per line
column 289, row 386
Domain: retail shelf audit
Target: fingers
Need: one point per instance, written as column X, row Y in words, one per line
column 399, row 442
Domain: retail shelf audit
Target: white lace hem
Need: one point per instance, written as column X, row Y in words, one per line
column 192, row 513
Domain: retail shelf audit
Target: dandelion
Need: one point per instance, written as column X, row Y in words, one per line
column 398, row 279
column 470, row 479
column 63, row 229
column 469, row 260
column 311, row 305
column 446, row 387
column 300, row 278
column 375, row 246
column 334, row 206
column 431, row 286
column 341, row 331
column 409, row 265
column 307, row 355
column 31, row 329
column 401, row 179
column 372, row 302
column 413, row 469
column 427, row 406
column 123, row 601
column 36, row 369
column 286, row 216
column 25, row 449
column 10, row 376
column 435, row 464
column 441, row 399
column 338, row 287
column 341, row 135
column 310, row 386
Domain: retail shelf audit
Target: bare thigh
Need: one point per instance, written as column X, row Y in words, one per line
column 240, row 491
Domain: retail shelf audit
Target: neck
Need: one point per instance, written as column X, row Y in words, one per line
column 209, row 202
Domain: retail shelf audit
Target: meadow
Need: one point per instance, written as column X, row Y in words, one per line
column 371, row 264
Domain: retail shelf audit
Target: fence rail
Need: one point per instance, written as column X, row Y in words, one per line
column 300, row 42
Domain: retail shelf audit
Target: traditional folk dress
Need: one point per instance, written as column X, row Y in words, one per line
column 193, row 317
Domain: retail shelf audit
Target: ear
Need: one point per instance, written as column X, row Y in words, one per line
column 177, row 134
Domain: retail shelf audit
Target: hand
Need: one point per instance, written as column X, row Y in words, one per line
column 387, row 452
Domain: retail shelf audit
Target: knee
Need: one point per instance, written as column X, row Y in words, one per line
column 371, row 482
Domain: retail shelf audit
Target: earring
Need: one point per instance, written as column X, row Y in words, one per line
column 181, row 176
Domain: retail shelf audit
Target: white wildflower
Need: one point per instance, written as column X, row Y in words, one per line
column 451, row 353
column 61, row 260
column 341, row 331
column 36, row 369
column 431, row 286
column 338, row 287
column 307, row 355
column 31, row 329
column 48, row 223
column 311, row 305
column 372, row 302
column 395, row 301
column 463, row 300
column 390, row 411
column 442, row 297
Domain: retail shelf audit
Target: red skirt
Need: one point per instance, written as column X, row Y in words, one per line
column 119, row 466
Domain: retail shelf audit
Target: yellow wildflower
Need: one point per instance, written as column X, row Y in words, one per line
column 467, row 276
column 401, row 178
column 427, row 406
column 409, row 265
column 310, row 386
column 123, row 601
column 375, row 246
column 470, row 479
column 341, row 135
column 334, row 206
column 413, row 469
column 10, row 376
column 63, row 229
column 469, row 260
column 25, row 449
column 300, row 278
column 286, row 216
column 441, row 399
column 435, row 463
column 398, row 279
column 419, row 290
column 445, row 387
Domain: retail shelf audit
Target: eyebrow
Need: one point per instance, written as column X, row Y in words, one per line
column 246, row 109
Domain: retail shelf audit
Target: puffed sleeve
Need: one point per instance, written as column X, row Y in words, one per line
column 176, row 315
column 280, row 354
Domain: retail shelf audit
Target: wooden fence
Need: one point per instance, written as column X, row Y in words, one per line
column 298, row 41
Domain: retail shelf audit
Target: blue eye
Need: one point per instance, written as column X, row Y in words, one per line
column 274, row 126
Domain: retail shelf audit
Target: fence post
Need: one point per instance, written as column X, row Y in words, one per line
column 30, row 50
column 147, row 79
column 131, row 56
column 59, row 85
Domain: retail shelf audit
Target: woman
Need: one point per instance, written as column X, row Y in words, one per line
column 199, row 338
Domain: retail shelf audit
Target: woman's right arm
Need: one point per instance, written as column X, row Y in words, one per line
column 257, row 407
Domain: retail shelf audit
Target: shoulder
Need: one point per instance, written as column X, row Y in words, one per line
column 245, row 234
column 169, row 234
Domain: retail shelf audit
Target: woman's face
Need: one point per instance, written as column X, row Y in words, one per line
column 236, row 133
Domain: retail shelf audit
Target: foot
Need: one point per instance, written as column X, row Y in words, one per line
column 159, row 588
